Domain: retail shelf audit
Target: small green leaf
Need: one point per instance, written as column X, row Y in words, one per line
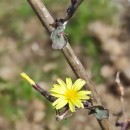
column 101, row 113
column 58, row 38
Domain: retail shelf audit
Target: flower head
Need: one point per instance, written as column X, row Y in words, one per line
column 25, row 76
column 68, row 93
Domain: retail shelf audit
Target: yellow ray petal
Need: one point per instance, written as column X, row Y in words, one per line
column 79, row 83
column 71, row 106
column 84, row 92
column 58, row 91
column 62, row 83
column 68, row 83
column 61, row 103
column 84, row 97
column 56, row 102
column 57, row 95
column 58, row 86
column 77, row 103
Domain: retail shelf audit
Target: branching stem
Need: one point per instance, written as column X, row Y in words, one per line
column 46, row 19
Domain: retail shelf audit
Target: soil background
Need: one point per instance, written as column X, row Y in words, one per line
column 99, row 33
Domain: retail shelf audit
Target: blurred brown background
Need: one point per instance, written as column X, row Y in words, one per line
column 99, row 33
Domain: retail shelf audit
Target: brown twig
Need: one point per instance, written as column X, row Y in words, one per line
column 45, row 93
column 121, row 89
column 72, row 8
column 125, row 124
column 46, row 19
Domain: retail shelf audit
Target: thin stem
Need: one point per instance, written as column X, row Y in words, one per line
column 45, row 93
column 72, row 8
column 121, row 88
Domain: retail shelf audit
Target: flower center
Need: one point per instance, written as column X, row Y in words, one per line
column 70, row 94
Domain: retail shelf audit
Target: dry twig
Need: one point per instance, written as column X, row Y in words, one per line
column 125, row 124
column 121, row 89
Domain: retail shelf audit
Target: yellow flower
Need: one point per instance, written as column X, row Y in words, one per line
column 68, row 93
column 25, row 76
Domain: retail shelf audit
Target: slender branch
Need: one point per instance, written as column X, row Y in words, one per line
column 72, row 8
column 126, row 123
column 121, row 89
column 45, row 93
column 46, row 19
column 43, row 14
